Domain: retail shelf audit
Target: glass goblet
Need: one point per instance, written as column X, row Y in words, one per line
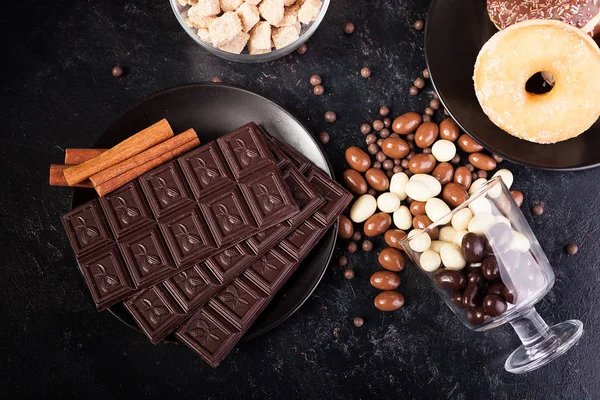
column 490, row 269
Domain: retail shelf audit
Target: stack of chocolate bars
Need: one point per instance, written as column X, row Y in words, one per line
column 200, row 245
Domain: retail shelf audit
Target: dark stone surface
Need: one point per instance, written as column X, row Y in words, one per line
column 57, row 91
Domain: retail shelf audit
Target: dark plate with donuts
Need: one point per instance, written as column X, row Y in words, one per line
column 456, row 30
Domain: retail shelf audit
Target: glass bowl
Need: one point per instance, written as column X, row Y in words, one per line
column 502, row 264
column 306, row 32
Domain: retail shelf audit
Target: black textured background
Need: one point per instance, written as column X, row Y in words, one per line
column 56, row 91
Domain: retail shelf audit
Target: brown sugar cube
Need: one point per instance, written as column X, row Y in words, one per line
column 197, row 19
column 205, row 8
column 230, row 5
column 290, row 17
column 204, row 35
column 272, row 11
column 249, row 16
column 225, row 28
column 309, row 11
column 237, row 44
column 260, row 38
column 284, row 36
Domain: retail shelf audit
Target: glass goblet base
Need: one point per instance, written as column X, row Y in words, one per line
column 561, row 337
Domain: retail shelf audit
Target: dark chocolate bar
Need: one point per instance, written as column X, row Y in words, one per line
column 193, row 287
column 214, row 329
column 179, row 214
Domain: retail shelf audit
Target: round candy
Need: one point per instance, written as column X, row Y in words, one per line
column 418, row 241
column 452, row 257
column 363, row 208
column 443, row 150
column 430, row 260
column 403, row 218
column 460, row 220
column 388, row 202
column 398, row 185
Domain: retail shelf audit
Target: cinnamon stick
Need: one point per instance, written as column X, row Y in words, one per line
column 120, row 180
column 79, row 156
column 143, row 140
column 152, row 153
column 57, row 177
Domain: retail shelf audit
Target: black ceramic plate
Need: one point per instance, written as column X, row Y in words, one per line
column 456, row 30
column 213, row 110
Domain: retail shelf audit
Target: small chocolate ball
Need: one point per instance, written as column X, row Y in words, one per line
column 117, row 71
column 302, row 49
column 497, row 158
column 435, row 104
column 352, row 247
column 388, row 164
column 538, row 209
column 378, row 125
column 410, row 137
column 426, row 73
column 330, row 116
column 384, row 111
column 572, row 249
column 426, row 118
column 318, row 90
column 413, row 91
column 387, row 122
column 419, row 83
column 376, row 165
column 384, row 133
column 482, row 174
column 365, row 72
column 343, row 261
column 348, row 274
column 367, row 245
column 358, row 322
column 315, row 80
column 373, row 149
column 427, row 150
column 348, row 28
column 371, row 138
column 356, row 236
column 397, row 169
column 324, row 137
column 380, row 156
column 372, row 192
column 455, row 159
column 470, row 167
column 365, row 129
column 429, row 111
column 216, row 79
column 419, row 24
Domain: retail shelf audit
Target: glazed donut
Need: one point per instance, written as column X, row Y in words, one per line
column 582, row 14
column 507, row 61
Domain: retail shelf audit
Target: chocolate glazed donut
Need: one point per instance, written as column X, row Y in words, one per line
column 582, row 14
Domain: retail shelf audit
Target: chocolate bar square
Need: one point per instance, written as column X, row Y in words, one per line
column 206, row 170
column 126, row 210
column 86, row 228
column 230, row 261
column 245, row 150
column 331, row 192
column 267, row 238
column 238, row 303
column 209, row 335
column 268, row 272
column 106, row 277
column 147, row 257
column 187, row 237
column 307, row 198
column 228, row 216
column 165, row 190
column 192, row 286
column 154, row 310
column 268, row 197
column 299, row 243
